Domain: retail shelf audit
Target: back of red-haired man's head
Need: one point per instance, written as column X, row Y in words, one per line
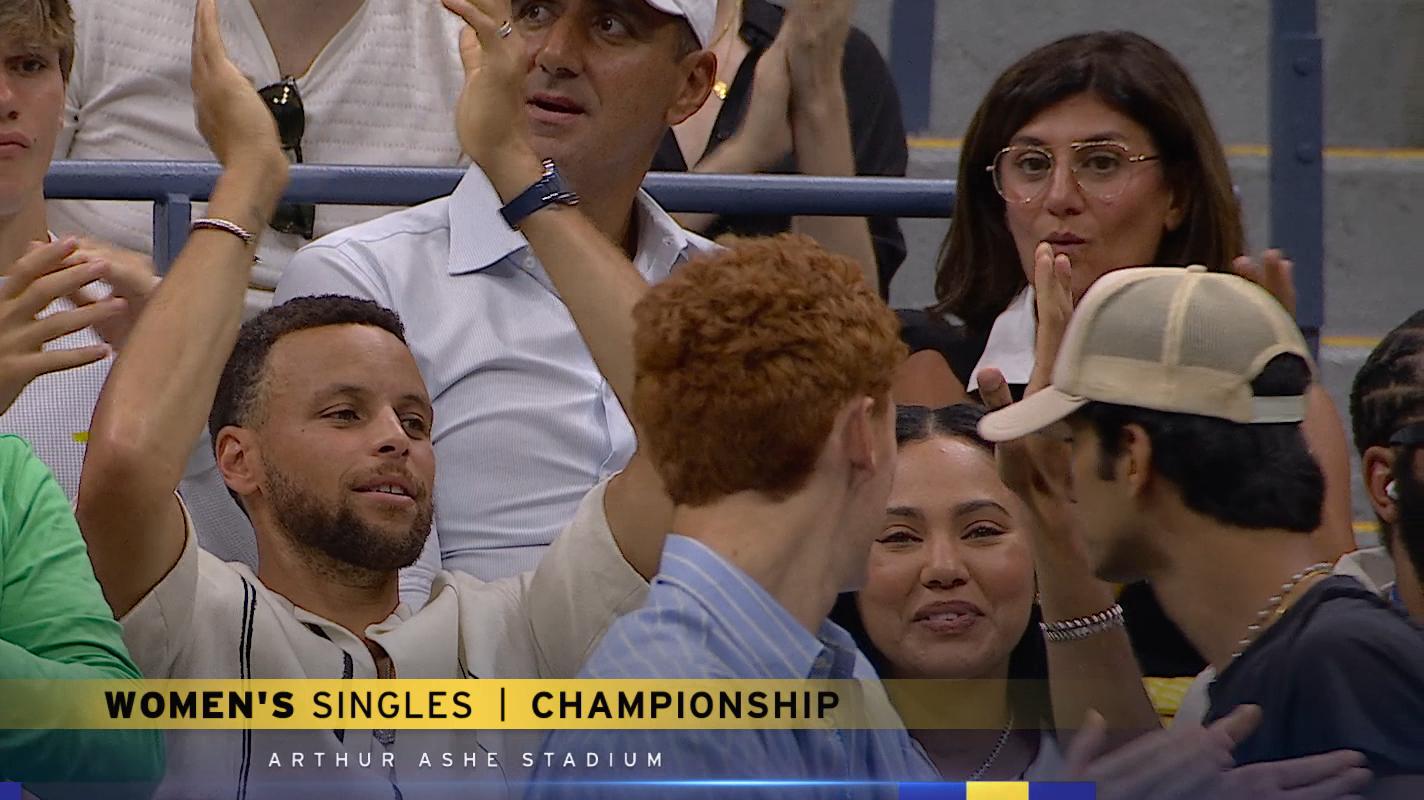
column 744, row 359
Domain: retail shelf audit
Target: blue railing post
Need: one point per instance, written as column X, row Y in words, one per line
column 1297, row 165
column 912, row 39
column 172, row 214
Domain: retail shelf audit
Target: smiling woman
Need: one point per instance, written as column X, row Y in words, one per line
column 949, row 594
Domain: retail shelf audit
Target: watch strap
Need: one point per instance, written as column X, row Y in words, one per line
column 548, row 190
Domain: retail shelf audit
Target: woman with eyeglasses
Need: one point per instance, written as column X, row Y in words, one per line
column 1099, row 147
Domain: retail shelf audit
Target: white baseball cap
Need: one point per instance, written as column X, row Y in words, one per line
column 700, row 14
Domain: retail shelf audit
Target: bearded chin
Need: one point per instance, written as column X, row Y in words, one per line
column 341, row 535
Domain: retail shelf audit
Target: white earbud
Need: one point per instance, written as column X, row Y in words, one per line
column 1391, row 491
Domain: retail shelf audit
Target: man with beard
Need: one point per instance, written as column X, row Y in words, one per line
column 519, row 397
column 322, row 430
column 1182, row 393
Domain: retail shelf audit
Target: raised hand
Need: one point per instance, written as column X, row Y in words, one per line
column 37, row 279
column 131, row 277
column 231, row 117
column 1037, row 467
column 765, row 133
column 1188, row 762
column 490, row 117
column 1273, row 272
column 816, row 31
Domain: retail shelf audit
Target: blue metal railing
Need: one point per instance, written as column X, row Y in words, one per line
column 173, row 186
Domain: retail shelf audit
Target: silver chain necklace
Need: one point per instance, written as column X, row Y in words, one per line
column 994, row 754
column 1273, row 607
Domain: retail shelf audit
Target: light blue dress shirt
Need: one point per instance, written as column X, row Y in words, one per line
column 705, row 618
column 525, row 424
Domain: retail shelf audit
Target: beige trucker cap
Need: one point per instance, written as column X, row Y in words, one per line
column 1165, row 338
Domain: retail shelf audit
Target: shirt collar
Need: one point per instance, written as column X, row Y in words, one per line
column 1371, row 566
column 480, row 238
column 1011, row 343
column 661, row 241
column 777, row 643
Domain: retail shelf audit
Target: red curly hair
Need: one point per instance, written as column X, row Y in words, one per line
column 745, row 357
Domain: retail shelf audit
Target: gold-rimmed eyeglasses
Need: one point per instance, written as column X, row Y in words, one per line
column 1102, row 169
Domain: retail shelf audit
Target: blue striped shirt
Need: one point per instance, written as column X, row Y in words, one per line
column 706, row 619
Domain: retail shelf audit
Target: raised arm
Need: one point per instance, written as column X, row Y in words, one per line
column 158, row 394
column 820, row 121
column 1098, row 672
column 596, row 280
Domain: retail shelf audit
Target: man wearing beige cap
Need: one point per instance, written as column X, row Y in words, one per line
column 526, row 422
column 1179, row 394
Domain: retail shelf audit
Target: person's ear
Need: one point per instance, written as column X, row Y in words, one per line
column 700, row 68
column 238, row 460
column 1135, row 459
column 860, row 431
column 1177, row 206
column 1377, row 473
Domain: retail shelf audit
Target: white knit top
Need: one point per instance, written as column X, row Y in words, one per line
column 382, row 92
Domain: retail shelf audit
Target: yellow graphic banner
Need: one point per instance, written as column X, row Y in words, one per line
column 500, row 704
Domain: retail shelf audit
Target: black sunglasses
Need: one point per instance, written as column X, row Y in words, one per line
column 1411, row 435
column 285, row 102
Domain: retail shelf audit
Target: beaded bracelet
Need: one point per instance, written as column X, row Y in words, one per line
column 1072, row 630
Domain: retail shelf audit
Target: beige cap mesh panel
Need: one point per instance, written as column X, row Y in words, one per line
column 1170, row 339
column 1219, row 331
column 1130, row 321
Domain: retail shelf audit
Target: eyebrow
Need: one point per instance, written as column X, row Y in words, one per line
column 971, row 506
column 637, row 8
column 904, row 511
column 351, row 390
column 1106, row 136
column 340, row 389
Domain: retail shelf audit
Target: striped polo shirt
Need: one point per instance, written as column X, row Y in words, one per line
column 213, row 619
